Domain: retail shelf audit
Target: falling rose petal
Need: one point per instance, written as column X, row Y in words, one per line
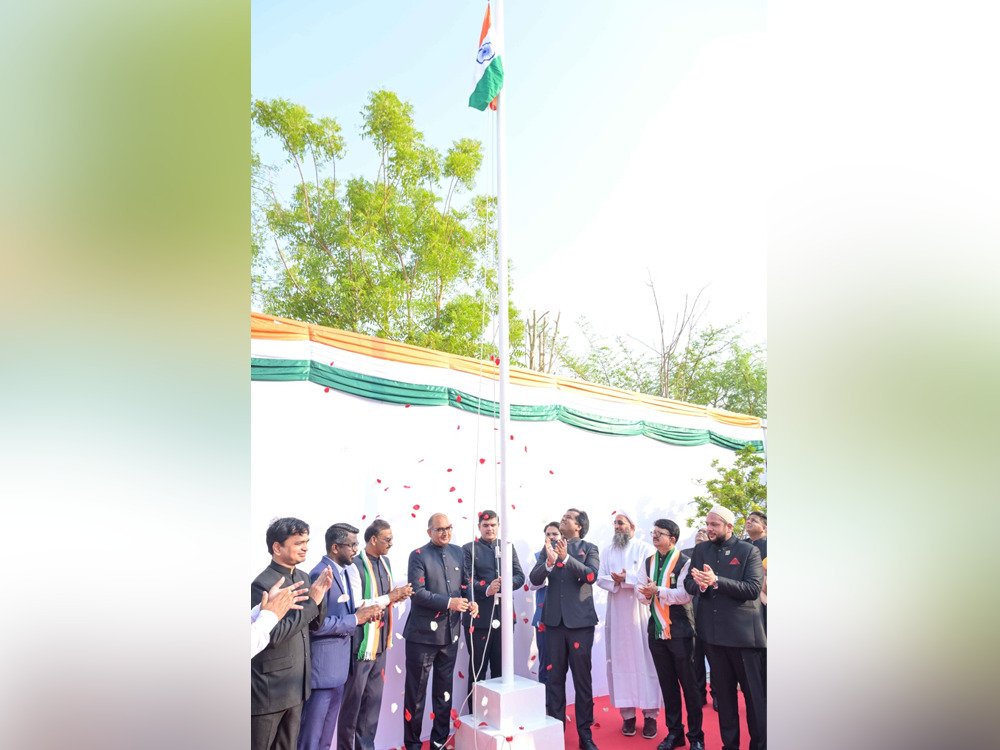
column 432, row 716
column 458, row 398
column 461, row 676
column 331, row 363
column 406, row 714
column 398, row 670
column 343, row 598
column 595, row 725
column 451, row 490
column 471, row 629
column 418, row 551
column 513, row 507
column 558, row 564
column 414, row 515
column 511, row 437
column 434, row 625
column 482, row 460
column 509, row 739
column 454, row 713
column 590, row 577
column 521, row 728
column 459, row 499
column 406, row 487
column 482, row 723
column 482, row 583
column 533, row 657
column 484, row 701
column 496, row 623
column 326, row 390
column 457, row 724
column 379, row 514
column 399, row 636
column 379, row 481
column 465, row 586
column 394, row 707
column 407, row 406
column 453, row 639
column 576, row 644
column 548, row 667
column 458, row 427
column 421, row 579
column 525, row 620
column 525, row 587
column 525, row 449
column 551, row 472
column 364, row 516
column 449, row 469
column 420, row 461
column 541, row 627
column 614, row 512
column 415, row 507
column 386, row 489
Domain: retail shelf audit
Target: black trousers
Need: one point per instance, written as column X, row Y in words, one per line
column 277, row 731
column 700, row 678
column 732, row 666
column 420, row 659
column 673, row 659
column 361, row 705
column 485, row 652
column 570, row 648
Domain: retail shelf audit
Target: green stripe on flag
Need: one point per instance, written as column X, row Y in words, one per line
column 397, row 392
column 489, row 85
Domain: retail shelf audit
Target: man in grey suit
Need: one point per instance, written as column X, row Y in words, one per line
column 330, row 643
column 279, row 675
column 432, row 631
column 570, row 566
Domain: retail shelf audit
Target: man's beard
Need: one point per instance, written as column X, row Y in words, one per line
column 718, row 538
column 621, row 539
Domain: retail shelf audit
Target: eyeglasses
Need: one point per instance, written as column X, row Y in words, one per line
column 356, row 545
column 657, row 534
column 443, row 529
column 384, row 541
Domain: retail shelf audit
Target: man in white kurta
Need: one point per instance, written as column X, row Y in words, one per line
column 631, row 674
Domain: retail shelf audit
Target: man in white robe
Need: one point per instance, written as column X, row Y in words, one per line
column 631, row 673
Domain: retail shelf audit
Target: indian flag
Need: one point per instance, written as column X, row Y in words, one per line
column 489, row 69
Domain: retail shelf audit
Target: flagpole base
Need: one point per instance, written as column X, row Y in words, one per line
column 513, row 718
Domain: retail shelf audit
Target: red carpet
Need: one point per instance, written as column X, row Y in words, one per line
column 608, row 729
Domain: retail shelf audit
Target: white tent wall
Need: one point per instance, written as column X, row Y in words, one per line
column 328, row 457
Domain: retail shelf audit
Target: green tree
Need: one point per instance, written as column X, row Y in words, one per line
column 394, row 256
column 739, row 488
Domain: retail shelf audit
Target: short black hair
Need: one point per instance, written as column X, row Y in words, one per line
column 760, row 515
column 337, row 534
column 282, row 528
column 486, row 515
column 550, row 523
column 583, row 519
column 669, row 526
column 377, row 527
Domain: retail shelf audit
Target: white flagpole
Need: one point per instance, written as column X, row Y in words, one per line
column 506, row 594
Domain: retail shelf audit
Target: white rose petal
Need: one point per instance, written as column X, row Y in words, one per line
column 434, row 625
column 394, row 707
column 447, row 695
column 484, row 701
column 343, row 599
column 398, row 670
column 496, row 623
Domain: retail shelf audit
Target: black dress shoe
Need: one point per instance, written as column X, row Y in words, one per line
column 588, row 745
column 628, row 727
column 649, row 728
column 698, row 745
column 672, row 741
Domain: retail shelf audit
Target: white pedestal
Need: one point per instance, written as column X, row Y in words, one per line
column 513, row 718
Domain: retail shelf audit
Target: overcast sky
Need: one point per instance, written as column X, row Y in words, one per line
column 634, row 136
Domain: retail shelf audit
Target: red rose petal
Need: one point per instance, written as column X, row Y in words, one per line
column 459, row 499
column 457, row 723
column 407, row 406
column 461, row 676
column 406, row 487
column 415, row 507
column 331, row 363
column 541, row 627
column 576, row 644
column 449, row 469
column 363, row 517
column 458, row 427
column 533, row 658
column 590, row 577
column 421, row 579
column 326, row 390
column 510, row 739
column 458, row 398
column 513, row 507
column 379, row 481
column 482, row 583
column 451, row 490
column 465, row 586
column 386, row 489
column 482, row 723
column 454, row 714
column 525, row 587
column 406, row 714
column 525, row 620
column 414, row 515
column 559, row 564
column 551, row 472
column 482, row 460
column 418, row 550
column 511, row 437
column 432, row 716
column 525, row 449
column 549, row 667
column 614, row 512
column 520, row 727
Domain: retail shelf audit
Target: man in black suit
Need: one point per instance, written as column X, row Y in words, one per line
column 484, row 640
column 570, row 566
column 727, row 575
column 432, row 631
column 701, row 679
column 279, row 675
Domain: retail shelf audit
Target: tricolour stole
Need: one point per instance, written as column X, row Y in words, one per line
column 368, row 649
column 661, row 612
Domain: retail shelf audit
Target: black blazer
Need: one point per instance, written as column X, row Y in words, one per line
column 486, row 568
column 279, row 675
column 436, row 576
column 569, row 600
column 729, row 615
